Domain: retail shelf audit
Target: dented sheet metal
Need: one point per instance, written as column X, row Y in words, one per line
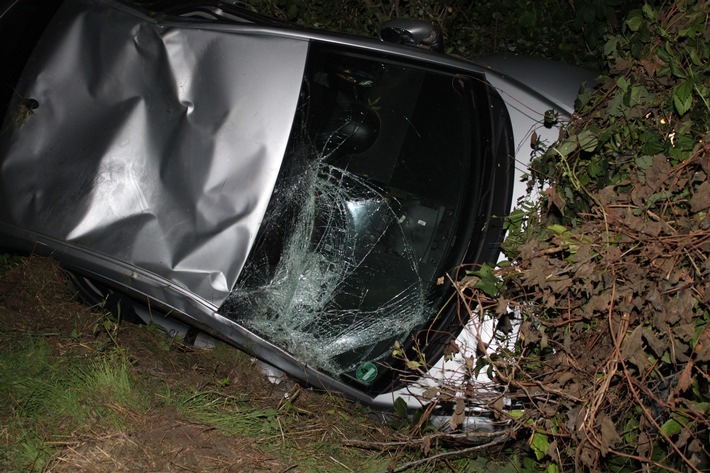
column 152, row 143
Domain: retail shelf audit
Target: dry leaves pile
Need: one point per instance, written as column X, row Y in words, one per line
column 612, row 269
column 616, row 347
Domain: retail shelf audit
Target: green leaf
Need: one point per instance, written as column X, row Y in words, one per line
column 636, row 47
column 682, row 97
column 694, row 57
column 640, row 95
column 566, row 147
column 616, row 105
column 631, row 430
column 622, row 83
column 397, row 351
column 400, row 407
column 664, row 55
column 652, row 143
column 611, row 46
column 658, row 197
column 539, row 444
column 583, row 97
column 676, row 68
column 515, row 220
column 595, row 169
column 417, row 416
column 587, row 13
column 683, row 144
column 699, row 329
column 587, row 141
column 557, row 228
column 671, row 427
column 489, row 282
column 644, row 162
column 527, row 19
column 635, row 20
column 648, row 11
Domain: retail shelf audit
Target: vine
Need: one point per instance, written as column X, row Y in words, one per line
column 613, row 264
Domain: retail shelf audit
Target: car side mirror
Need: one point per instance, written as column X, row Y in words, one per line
column 418, row 33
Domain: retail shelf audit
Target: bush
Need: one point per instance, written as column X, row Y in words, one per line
column 613, row 266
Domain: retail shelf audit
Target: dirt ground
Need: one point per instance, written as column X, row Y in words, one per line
column 164, row 441
column 36, row 297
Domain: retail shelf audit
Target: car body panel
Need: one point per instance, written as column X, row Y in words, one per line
column 559, row 83
column 163, row 153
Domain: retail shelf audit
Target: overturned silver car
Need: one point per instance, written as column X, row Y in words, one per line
column 295, row 193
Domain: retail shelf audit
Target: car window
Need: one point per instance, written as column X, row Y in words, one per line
column 366, row 212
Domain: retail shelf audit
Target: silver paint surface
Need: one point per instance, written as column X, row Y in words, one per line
column 154, row 144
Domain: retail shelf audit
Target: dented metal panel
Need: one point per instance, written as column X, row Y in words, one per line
column 155, row 144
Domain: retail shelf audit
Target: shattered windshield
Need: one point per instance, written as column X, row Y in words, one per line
column 365, row 214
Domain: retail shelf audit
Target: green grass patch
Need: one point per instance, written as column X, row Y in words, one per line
column 227, row 413
column 297, row 436
column 48, row 399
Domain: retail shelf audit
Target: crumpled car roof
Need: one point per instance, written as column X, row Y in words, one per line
column 154, row 143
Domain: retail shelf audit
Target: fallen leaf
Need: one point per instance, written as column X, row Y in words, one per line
column 609, row 436
column 430, row 393
column 554, row 198
column 458, row 416
column 451, row 349
column 701, row 198
column 686, row 377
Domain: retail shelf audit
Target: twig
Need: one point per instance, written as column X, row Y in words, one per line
column 454, row 453
column 341, row 464
column 617, row 340
column 587, row 424
column 505, row 434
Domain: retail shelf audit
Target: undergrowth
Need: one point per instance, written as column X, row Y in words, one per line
column 611, row 268
column 49, row 400
column 80, row 391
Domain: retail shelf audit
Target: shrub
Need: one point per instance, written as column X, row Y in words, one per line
column 613, row 266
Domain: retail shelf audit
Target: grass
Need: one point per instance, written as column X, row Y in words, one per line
column 52, row 401
column 311, row 440
column 80, row 393
column 49, row 399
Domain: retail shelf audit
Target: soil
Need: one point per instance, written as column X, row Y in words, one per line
column 164, row 441
column 36, row 297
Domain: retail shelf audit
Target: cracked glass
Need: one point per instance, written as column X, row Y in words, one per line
column 365, row 214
